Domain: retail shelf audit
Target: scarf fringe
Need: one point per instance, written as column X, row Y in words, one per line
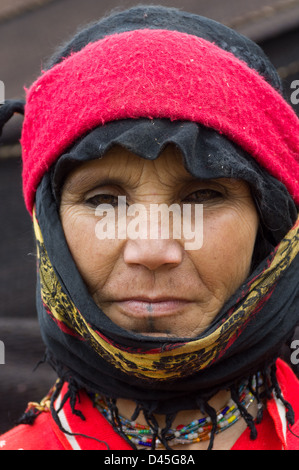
column 270, row 386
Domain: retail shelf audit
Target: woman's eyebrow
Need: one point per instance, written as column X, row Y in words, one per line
column 91, row 179
column 84, row 181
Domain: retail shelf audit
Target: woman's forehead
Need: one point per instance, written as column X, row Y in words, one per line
column 165, row 174
column 122, row 165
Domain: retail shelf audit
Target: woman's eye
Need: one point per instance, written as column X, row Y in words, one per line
column 98, row 199
column 203, row 195
column 198, row 197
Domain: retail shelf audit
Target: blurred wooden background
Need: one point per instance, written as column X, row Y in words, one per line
column 30, row 31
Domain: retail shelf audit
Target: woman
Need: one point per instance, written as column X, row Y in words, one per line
column 157, row 345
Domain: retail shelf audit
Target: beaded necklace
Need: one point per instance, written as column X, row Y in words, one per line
column 198, row 430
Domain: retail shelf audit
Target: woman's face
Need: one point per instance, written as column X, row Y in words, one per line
column 155, row 286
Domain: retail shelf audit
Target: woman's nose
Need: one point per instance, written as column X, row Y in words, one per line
column 153, row 253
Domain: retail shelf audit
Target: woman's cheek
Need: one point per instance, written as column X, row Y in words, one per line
column 94, row 258
column 225, row 258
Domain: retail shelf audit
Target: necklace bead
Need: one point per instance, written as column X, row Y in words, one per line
column 196, row 431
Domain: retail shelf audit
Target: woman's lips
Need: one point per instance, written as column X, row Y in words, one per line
column 142, row 308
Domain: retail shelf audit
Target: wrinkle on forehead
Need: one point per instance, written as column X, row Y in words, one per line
column 120, row 166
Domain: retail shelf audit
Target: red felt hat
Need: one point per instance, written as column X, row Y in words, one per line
column 157, row 74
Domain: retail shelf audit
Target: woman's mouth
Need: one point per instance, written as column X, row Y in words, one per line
column 142, row 308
